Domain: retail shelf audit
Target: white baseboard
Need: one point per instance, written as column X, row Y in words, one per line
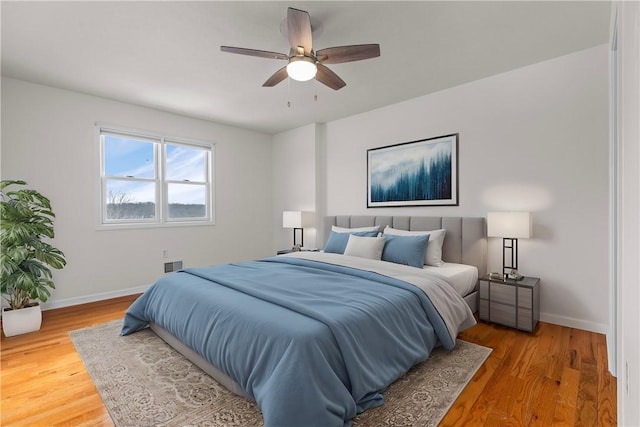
column 51, row 304
column 570, row 322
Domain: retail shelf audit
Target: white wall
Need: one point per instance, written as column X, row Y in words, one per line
column 48, row 140
column 533, row 139
column 294, row 183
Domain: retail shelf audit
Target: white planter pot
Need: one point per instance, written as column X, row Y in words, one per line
column 16, row 322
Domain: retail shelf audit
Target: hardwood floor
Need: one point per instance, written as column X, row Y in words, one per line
column 556, row 376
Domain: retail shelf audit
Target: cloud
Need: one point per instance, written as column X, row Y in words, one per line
column 186, row 163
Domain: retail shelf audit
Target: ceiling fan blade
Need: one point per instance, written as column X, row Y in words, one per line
column 299, row 30
column 254, row 52
column 276, row 78
column 329, row 78
column 356, row 52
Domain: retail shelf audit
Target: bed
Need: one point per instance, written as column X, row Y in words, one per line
column 465, row 240
column 315, row 337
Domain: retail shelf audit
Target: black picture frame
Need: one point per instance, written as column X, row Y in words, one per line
column 415, row 173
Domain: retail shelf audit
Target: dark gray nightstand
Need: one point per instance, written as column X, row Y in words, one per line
column 288, row 251
column 510, row 302
column 285, row 251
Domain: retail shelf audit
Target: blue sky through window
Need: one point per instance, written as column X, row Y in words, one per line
column 128, row 157
column 186, row 163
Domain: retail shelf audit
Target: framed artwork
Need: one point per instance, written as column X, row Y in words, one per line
column 416, row 173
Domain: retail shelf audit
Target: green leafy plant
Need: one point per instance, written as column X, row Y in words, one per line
column 25, row 219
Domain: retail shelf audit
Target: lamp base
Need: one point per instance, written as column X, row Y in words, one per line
column 510, row 259
column 295, row 242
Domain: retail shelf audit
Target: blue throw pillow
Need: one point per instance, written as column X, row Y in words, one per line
column 337, row 242
column 407, row 250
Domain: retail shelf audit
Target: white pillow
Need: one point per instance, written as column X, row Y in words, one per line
column 354, row 230
column 365, row 247
column 433, row 256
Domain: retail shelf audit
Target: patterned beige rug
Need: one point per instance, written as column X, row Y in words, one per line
column 145, row 382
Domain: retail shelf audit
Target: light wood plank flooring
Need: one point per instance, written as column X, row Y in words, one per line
column 556, row 376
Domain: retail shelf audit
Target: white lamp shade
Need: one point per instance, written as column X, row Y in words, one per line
column 292, row 219
column 301, row 68
column 513, row 225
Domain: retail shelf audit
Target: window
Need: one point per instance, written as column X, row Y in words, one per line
column 151, row 179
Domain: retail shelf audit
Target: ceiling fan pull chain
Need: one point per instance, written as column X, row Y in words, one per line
column 289, row 93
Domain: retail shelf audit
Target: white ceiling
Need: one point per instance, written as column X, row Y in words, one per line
column 166, row 55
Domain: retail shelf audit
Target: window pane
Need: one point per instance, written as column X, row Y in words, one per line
column 187, row 201
column 186, row 163
column 130, row 200
column 128, row 157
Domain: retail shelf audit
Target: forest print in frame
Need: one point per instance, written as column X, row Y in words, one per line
column 416, row 173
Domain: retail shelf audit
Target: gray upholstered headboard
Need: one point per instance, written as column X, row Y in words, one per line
column 465, row 241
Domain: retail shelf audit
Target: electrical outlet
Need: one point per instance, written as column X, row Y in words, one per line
column 165, row 254
column 626, row 368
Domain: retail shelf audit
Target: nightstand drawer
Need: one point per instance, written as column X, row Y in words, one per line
column 525, row 298
column 483, row 309
column 503, row 294
column 484, row 289
column 502, row 313
column 525, row 319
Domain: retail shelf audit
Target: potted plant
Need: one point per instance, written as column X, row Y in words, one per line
column 25, row 219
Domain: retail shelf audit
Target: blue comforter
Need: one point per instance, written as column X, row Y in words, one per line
column 313, row 343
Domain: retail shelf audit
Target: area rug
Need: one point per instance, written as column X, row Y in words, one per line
column 145, row 382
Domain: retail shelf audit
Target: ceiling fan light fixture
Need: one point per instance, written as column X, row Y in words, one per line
column 301, row 68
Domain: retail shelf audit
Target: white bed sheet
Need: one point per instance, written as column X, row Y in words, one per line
column 463, row 277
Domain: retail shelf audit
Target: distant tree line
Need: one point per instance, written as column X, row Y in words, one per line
column 130, row 210
column 418, row 183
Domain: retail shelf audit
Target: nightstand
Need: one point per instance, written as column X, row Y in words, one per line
column 510, row 302
column 285, row 251
column 288, row 251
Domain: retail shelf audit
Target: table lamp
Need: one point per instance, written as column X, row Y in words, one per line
column 293, row 219
column 510, row 226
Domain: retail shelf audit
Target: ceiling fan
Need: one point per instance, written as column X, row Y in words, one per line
column 305, row 64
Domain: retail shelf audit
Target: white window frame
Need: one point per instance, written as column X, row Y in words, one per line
column 160, row 141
